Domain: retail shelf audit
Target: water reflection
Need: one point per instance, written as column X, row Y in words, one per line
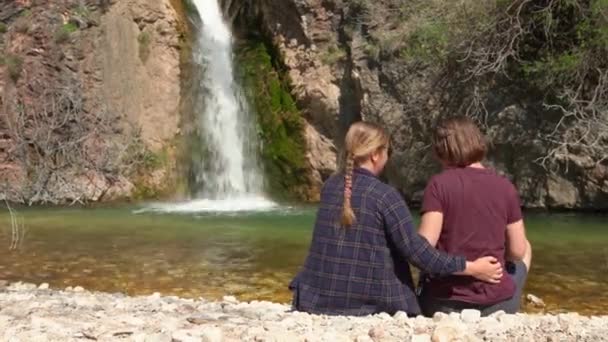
column 255, row 256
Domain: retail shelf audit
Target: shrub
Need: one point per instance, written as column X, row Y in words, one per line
column 63, row 33
column 14, row 64
column 22, row 26
column 82, row 11
column 333, row 55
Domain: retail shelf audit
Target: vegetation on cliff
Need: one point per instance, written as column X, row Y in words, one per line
column 61, row 140
column 550, row 54
column 279, row 123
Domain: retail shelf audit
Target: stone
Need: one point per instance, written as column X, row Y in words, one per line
column 535, row 301
column 562, row 192
column 155, row 295
column 377, row 332
column 21, row 286
column 157, row 338
column 450, row 329
column 498, row 313
column 131, row 320
column 509, row 320
column 363, row 338
column 470, row 315
column 78, row 289
column 400, row 316
column 212, row 335
column 438, row 316
column 421, row 321
column 421, row 338
column 285, row 336
column 185, row 336
column 454, row 315
column 203, row 318
column 569, row 320
column 230, row 299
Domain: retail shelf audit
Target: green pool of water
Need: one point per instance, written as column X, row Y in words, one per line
column 254, row 256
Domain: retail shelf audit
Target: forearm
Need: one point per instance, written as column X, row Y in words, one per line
column 430, row 260
column 509, row 256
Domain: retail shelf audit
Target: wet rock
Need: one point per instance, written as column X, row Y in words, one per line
column 230, row 299
column 20, row 286
column 535, row 301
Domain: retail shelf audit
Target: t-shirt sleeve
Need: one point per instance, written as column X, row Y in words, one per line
column 514, row 213
column 432, row 197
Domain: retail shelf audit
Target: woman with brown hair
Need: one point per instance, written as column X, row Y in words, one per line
column 364, row 238
column 470, row 210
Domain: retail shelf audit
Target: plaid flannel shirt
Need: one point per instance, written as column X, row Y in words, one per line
column 363, row 269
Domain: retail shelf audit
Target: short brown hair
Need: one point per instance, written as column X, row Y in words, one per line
column 457, row 141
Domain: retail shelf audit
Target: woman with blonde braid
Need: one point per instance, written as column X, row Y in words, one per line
column 364, row 238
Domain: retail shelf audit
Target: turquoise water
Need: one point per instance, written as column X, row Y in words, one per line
column 254, row 256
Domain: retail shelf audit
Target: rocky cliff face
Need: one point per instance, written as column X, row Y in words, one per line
column 90, row 95
column 346, row 61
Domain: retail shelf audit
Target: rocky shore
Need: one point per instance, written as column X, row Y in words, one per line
column 36, row 313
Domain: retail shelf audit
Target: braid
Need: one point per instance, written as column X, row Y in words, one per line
column 348, row 216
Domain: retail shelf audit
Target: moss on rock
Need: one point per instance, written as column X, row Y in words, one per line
column 279, row 123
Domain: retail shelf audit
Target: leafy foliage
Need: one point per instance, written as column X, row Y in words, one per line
column 280, row 126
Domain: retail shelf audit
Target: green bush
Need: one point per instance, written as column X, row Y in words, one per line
column 280, row 125
column 82, row 11
column 333, row 55
column 3, row 28
column 14, row 65
column 22, row 26
column 63, row 34
column 428, row 41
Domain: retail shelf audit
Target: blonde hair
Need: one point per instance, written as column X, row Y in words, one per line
column 362, row 140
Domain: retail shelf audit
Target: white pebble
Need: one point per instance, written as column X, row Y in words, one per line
column 421, row 338
column 470, row 315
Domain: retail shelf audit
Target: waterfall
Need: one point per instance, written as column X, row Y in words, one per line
column 227, row 176
column 225, row 122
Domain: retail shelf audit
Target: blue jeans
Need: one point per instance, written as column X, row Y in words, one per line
column 516, row 270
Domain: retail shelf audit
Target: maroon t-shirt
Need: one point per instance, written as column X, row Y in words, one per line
column 477, row 205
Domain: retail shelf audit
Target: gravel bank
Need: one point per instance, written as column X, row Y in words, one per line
column 37, row 313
